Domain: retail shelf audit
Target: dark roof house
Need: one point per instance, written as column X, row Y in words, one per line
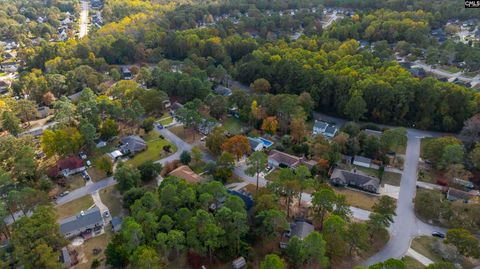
column 76, row 225
column 362, row 161
column 70, row 165
column 221, row 90
column 279, row 159
column 455, row 195
column 301, row 229
column 355, row 179
column 133, row 144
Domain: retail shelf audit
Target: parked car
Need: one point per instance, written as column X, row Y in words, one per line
column 85, row 176
column 438, row 234
column 64, row 193
column 106, row 214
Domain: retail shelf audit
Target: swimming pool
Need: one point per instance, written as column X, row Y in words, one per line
column 267, row 143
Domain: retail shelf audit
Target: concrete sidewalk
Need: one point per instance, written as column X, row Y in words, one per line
column 419, row 257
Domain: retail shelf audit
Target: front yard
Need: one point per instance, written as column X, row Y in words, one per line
column 434, row 249
column 154, row 150
column 74, row 207
column 186, row 134
column 112, row 198
column 357, row 198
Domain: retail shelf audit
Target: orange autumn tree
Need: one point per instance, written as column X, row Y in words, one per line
column 237, row 145
column 270, row 125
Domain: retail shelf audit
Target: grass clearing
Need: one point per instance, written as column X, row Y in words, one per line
column 165, row 120
column 434, row 249
column 450, row 68
column 96, row 174
column 74, row 182
column 154, row 150
column 412, row 263
column 233, row 125
column 74, row 207
column 186, row 134
column 112, row 198
column 358, row 199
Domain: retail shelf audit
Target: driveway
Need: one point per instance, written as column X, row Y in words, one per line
column 406, row 225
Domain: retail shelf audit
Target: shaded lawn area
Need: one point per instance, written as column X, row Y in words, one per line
column 232, row 125
column 100, row 242
column 357, row 199
column 154, row 150
column 74, row 182
column 430, row 246
column 96, row 174
column 112, row 198
column 411, row 263
column 186, row 134
column 74, row 207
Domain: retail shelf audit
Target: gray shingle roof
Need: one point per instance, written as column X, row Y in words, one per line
column 331, row 130
column 301, row 229
column 71, row 224
column 362, row 159
column 320, row 125
column 134, row 143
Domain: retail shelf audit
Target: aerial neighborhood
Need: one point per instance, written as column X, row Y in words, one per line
column 329, row 134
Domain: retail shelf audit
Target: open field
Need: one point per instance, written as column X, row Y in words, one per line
column 74, row 207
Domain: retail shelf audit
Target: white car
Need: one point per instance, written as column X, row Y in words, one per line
column 106, row 214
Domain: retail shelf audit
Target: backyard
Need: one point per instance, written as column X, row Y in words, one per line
column 86, row 254
column 154, row 150
column 233, row 125
column 74, row 207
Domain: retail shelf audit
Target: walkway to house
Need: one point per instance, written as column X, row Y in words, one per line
column 419, row 257
column 98, row 202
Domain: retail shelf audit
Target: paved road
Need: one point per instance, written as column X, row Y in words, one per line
column 87, row 189
column 406, row 226
column 83, row 19
column 179, row 143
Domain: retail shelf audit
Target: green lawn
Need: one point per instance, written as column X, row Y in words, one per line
column 154, row 150
column 165, row 120
column 232, row 125
column 74, row 207
column 451, row 69
column 411, row 263
column 112, row 198
column 74, row 182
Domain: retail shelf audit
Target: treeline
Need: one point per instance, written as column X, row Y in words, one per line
column 351, row 83
column 442, row 9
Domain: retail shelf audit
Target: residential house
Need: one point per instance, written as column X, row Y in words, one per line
column 10, row 67
column 70, row 166
column 82, row 223
column 100, row 144
column 4, row 86
column 467, row 184
column 459, row 195
column 362, row 161
column 282, row 159
column 115, row 155
column 116, row 223
column 132, row 144
column 96, row 4
column 221, row 90
column 75, row 97
column 43, row 112
column 126, row 74
column 355, row 179
column 239, row 263
column 186, row 173
column 301, row 229
column 255, row 144
column 324, row 129
column 206, row 126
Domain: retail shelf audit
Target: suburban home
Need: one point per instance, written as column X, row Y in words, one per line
column 301, row 229
column 115, row 155
column 239, row 263
column 126, row 74
column 43, row 112
column 221, row 90
column 116, row 223
column 466, row 197
column 186, row 173
column 82, row 223
column 100, row 144
column 255, row 144
column 362, row 161
column 206, row 126
column 355, row 180
column 325, row 129
column 75, row 97
column 70, row 166
column 4, row 86
column 282, row 159
column 132, row 144
column 370, row 132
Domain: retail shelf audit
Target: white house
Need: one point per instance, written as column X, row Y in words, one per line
column 324, row 129
column 362, row 161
